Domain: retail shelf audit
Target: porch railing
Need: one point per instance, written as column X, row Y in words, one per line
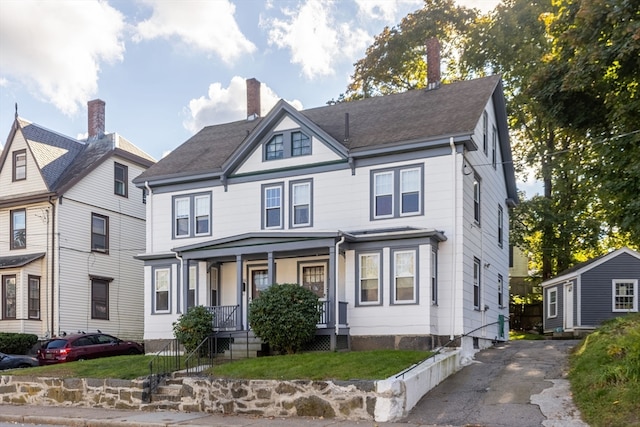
column 224, row 317
column 324, row 312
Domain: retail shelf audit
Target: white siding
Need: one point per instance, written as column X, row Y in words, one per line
column 33, row 182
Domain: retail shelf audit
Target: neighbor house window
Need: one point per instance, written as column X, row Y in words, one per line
column 274, row 148
column 494, row 144
column 485, row 132
column 120, row 179
column 192, row 215
column 434, row 277
column 500, row 291
column 552, row 302
column 9, row 297
column 369, row 279
column 476, row 200
column 99, row 233
column 18, row 229
column 476, row 283
column 300, row 203
column 19, row 165
column 300, row 144
column 313, row 278
column 404, row 276
column 161, row 290
column 500, row 225
column 191, row 291
column 397, row 192
column 625, row 295
column 272, row 206
column 100, row 299
column 34, row 297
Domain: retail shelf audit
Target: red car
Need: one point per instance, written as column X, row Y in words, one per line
column 85, row 346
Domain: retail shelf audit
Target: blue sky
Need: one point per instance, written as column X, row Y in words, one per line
column 167, row 68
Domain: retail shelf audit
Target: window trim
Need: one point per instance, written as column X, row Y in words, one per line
column 552, row 304
column 12, row 242
column 31, row 279
column 195, row 199
column 125, row 182
column 477, row 283
column 485, row 132
column 394, row 277
column 313, row 264
column 106, row 235
column 193, row 280
column 500, row 225
column 477, row 199
column 5, row 305
column 292, row 205
column 359, row 256
column 494, row 147
column 287, row 144
column 263, row 211
column 191, row 216
column 396, row 191
column 273, row 141
column 95, row 281
column 434, row 277
column 500, row 291
column 614, row 295
column 302, row 147
column 14, row 171
column 154, row 289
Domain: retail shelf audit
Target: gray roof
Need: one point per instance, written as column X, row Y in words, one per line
column 419, row 115
column 19, row 260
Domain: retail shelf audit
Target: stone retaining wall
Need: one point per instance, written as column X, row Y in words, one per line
column 385, row 400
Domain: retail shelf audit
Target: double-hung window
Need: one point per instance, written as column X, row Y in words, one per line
column 161, row 281
column 19, row 165
column 404, row 276
column 500, row 291
column 99, row 233
column 500, row 225
column 34, row 297
column 476, row 200
column 192, row 215
column 476, row 283
column 272, row 205
column 275, row 148
column 300, row 192
column 9, row 297
column 434, row 277
column 485, row 132
column 552, row 302
column 494, row 144
column 120, row 173
column 396, row 192
column 625, row 295
column 18, row 229
column 100, row 299
column 369, row 279
column 191, row 291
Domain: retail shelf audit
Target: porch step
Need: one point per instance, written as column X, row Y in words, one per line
column 168, row 394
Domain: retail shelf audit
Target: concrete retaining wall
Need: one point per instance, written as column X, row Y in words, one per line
column 385, row 400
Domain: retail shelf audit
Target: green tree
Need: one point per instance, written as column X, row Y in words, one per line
column 193, row 327
column 285, row 316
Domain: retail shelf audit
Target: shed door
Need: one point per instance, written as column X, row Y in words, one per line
column 568, row 306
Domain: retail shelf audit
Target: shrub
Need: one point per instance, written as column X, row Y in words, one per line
column 193, row 327
column 14, row 343
column 285, row 316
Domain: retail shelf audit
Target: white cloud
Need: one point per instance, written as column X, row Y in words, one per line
column 55, row 48
column 223, row 105
column 208, row 26
column 385, row 10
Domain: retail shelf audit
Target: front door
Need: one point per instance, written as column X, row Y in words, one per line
column 568, row 306
column 259, row 279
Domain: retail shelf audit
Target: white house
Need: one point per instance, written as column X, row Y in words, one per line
column 70, row 223
column 393, row 210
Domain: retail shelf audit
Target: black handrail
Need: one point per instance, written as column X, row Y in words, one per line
column 203, row 356
column 166, row 361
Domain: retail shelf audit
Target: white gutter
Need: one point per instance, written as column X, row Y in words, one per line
column 453, row 239
column 337, row 301
column 179, row 278
column 149, row 217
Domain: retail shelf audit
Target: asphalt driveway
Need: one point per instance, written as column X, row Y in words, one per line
column 518, row 383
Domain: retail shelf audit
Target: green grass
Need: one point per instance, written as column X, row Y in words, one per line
column 520, row 335
column 605, row 374
column 362, row 365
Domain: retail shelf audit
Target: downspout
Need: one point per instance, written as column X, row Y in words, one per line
column 453, row 238
column 337, row 301
column 180, row 282
column 150, row 216
column 53, row 264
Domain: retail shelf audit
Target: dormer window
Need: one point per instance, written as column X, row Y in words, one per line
column 274, row 148
column 286, row 145
column 20, row 165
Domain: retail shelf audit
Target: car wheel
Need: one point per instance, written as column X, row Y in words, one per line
column 133, row 351
column 24, row 365
column 81, row 359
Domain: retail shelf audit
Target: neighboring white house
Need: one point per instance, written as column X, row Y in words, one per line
column 394, row 210
column 70, row 223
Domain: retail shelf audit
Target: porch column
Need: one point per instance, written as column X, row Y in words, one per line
column 271, row 269
column 332, row 296
column 239, row 291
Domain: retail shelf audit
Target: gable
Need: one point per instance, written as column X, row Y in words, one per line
column 33, row 182
column 295, row 138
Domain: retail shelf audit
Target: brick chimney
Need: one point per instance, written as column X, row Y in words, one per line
column 433, row 63
column 253, row 99
column 96, row 118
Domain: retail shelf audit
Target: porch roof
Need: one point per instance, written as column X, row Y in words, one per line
column 19, row 260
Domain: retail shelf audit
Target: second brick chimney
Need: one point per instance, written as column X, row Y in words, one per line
column 433, row 63
column 253, row 99
column 96, row 118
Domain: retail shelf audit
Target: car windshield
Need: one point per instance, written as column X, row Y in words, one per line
column 56, row 344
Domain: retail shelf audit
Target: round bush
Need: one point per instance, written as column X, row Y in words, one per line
column 285, row 316
column 193, row 327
